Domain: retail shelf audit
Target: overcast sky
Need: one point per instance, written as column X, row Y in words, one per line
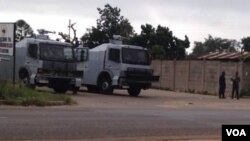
column 195, row 18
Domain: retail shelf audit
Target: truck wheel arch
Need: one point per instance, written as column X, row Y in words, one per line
column 104, row 74
column 104, row 83
column 23, row 72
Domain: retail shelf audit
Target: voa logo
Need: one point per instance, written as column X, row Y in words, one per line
column 236, row 132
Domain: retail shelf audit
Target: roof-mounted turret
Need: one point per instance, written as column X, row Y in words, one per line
column 43, row 34
column 117, row 39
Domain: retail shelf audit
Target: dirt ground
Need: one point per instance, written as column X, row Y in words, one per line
column 155, row 115
column 159, row 98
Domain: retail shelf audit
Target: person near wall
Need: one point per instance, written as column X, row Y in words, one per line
column 222, row 85
column 236, row 86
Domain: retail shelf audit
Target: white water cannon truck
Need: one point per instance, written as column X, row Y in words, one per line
column 113, row 65
column 44, row 62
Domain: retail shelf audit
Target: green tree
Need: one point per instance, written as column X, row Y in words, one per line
column 246, row 44
column 158, row 52
column 110, row 23
column 23, row 30
column 174, row 48
column 145, row 38
column 94, row 37
column 179, row 48
column 148, row 35
column 198, row 49
column 66, row 37
column 212, row 44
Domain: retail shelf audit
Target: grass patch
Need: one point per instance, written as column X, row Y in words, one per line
column 25, row 96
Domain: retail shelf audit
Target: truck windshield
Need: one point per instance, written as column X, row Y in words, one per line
column 135, row 56
column 56, row 52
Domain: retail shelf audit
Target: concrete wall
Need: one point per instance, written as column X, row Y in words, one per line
column 167, row 75
column 181, row 75
column 246, row 76
column 211, row 76
column 196, row 76
column 199, row 76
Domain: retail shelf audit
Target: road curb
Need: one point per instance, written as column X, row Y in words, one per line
column 47, row 103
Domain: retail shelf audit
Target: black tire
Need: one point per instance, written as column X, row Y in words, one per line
column 134, row 91
column 60, row 89
column 26, row 82
column 104, row 85
column 93, row 89
column 59, row 86
column 75, row 90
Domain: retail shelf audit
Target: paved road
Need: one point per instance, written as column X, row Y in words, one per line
column 155, row 115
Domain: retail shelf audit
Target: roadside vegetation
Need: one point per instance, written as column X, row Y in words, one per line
column 21, row 95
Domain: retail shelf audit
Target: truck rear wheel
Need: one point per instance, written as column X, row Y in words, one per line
column 134, row 91
column 104, row 85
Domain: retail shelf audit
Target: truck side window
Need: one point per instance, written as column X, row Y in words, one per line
column 114, row 55
column 32, row 51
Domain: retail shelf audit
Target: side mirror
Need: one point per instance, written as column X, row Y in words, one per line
column 82, row 57
column 81, row 54
column 150, row 58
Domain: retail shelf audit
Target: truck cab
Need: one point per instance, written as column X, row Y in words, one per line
column 42, row 62
column 111, row 66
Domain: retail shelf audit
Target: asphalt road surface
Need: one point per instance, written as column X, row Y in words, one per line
column 154, row 115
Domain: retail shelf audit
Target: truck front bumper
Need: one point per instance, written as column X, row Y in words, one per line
column 138, row 80
column 45, row 80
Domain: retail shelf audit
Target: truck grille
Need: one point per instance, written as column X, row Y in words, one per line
column 59, row 66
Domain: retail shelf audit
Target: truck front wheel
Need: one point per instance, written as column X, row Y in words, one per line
column 25, row 79
column 75, row 90
column 26, row 82
column 105, row 86
column 134, row 91
column 59, row 86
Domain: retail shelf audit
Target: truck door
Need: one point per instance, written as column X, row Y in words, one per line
column 113, row 63
column 31, row 60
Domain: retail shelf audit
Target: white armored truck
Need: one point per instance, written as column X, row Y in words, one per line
column 110, row 66
column 44, row 62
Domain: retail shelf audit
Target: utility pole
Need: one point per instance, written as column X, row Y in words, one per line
column 69, row 26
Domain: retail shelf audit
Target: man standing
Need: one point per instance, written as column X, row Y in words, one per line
column 222, row 85
column 236, row 85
